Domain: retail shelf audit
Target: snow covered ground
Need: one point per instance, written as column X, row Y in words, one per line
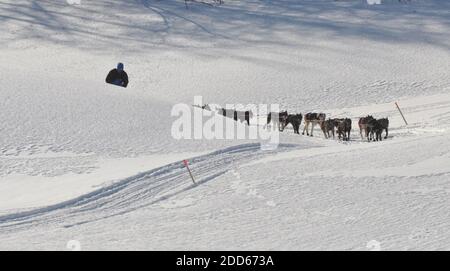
column 85, row 161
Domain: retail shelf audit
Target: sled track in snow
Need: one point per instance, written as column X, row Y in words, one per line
column 139, row 191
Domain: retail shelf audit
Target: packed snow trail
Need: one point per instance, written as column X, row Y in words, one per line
column 137, row 191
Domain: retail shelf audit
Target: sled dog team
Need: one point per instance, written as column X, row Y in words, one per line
column 369, row 127
column 372, row 128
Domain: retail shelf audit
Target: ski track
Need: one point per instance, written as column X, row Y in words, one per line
column 138, row 191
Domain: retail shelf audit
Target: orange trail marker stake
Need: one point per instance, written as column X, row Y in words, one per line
column 401, row 113
column 186, row 164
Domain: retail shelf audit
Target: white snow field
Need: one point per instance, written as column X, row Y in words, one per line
column 86, row 162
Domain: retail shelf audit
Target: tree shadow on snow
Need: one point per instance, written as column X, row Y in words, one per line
column 143, row 25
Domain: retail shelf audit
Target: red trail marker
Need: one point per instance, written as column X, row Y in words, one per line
column 186, row 164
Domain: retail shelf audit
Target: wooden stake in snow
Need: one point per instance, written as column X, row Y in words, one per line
column 186, row 164
column 401, row 113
